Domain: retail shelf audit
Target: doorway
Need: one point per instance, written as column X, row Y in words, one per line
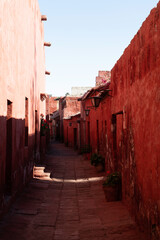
column 117, row 127
column 75, row 138
column 98, row 146
column 88, row 133
column 117, row 124
column 36, row 133
column 8, row 166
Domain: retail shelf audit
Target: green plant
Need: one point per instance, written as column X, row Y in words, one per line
column 97, row 159
column 112, row 179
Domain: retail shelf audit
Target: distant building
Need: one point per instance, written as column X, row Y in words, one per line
column 53, row 116
column 54, row 105
column 79, row 91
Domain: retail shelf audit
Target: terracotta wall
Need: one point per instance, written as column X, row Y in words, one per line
column 71, row 132
column 135, row 81
column 68, row 106
column 95, row 128
column 22, row 78
column 125, row 127
column 72, row 106
column 53, row 104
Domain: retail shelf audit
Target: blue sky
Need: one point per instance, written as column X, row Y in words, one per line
column 87, row 36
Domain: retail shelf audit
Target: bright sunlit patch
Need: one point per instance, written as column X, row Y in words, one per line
column 45, row 176
column 81, row 180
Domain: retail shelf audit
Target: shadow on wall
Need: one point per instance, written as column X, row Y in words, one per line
column 18, row 152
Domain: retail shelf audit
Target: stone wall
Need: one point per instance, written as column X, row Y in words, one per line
column 79, row 91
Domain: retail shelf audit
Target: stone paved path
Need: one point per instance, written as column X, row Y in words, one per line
column 65, row 201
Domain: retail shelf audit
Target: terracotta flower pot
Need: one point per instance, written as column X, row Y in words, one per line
column 99, row 168
column 111, row 193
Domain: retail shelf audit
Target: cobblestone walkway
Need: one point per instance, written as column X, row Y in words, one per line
column 65, row 201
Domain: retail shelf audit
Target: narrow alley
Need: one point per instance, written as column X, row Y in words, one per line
column 65, row 201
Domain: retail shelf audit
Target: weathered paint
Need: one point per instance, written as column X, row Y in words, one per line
column 135, row 81
column 71, row 131
column 125, row 127
column 53, row 105
column 95, row 130
column 68, row 106
column 22, row 79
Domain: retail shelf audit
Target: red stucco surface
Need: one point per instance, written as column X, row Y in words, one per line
column 53, row 104
column 22, row 76
column 68, row 106
column 125, row 127
column 72, row 106
column 136, row 90
column 71, row 131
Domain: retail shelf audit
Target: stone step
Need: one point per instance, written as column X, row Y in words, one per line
column 41, row 174
column 39, row 171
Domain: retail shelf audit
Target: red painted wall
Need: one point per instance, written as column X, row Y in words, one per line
column 71, row 131
column 95, row 128
column 135, row 81
column 22, row 76
column 54, row 105
column 69, row 106
column 127, row 124
column 72, row 106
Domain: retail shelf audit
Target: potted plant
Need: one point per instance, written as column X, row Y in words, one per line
column 98, row 161
column 112, row 186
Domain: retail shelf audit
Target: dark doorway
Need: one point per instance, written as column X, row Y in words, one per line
column 88, row 133
column 117, row 124
column 75, row 138
column 67, row 137
column 105, row 132
column 98, row 147
column 57, row 128
column 8, row 167
column 26, row 122
column 36, row 131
